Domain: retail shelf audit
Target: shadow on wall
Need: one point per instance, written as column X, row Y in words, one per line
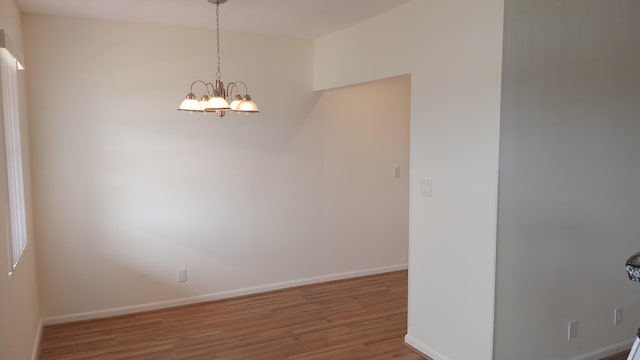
column 301, row 190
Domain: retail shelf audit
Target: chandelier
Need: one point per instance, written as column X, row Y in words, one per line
column 216, row 98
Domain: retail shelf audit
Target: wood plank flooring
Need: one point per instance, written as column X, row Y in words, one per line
column 363, row 318
column 619, row 356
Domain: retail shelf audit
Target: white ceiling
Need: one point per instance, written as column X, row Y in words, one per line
column 299, row 18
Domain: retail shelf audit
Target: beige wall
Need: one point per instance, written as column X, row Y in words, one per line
column 19, row 308
column 453, row 49
column 128, row 190
column 569, row 170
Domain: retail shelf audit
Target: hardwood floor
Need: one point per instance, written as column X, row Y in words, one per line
column 354, row 319
column 619, row 356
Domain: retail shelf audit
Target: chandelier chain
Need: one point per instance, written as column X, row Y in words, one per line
column 219, row 73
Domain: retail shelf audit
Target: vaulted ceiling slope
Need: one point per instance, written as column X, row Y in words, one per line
column 297, row 18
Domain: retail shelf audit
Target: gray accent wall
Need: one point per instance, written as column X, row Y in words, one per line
column 569, row 185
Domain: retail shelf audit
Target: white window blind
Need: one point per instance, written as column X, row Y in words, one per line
column 15, row 182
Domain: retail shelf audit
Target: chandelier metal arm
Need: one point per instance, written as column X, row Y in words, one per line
column 234, row 84
column 210, row 89
column 206, row 85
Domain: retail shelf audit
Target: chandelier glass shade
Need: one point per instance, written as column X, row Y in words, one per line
column 216, row 97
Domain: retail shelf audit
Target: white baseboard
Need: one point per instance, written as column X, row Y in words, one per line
column 217, row 296
column 594, row 355
column 424, row 348
column 36, row 342
column 606, row 351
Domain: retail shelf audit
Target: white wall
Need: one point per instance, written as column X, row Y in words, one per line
column 453, row 50
column 569, row 170
column 19, row 308
column 128, row 190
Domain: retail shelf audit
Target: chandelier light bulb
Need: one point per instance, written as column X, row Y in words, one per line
column 247, row 105
column 217, row 103
column 235, row 102
column 190, row 103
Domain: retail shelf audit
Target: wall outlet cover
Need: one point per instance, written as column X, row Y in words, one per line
column 182, row 275
column 618, row 315
column 572, row 332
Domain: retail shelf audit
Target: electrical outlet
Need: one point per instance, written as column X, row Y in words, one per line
column 182, row 275
column 426, row 188
column 617, row 315
column 572, row 332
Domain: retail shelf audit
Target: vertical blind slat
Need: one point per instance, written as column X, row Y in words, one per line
column 15, row 179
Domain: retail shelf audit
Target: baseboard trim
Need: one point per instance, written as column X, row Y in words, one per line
column 423, row 348
column 594, row 355
column 36, row 343
column 218, row 296
column 606, row 351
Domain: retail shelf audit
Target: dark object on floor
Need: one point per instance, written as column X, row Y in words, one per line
column 633, row 267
